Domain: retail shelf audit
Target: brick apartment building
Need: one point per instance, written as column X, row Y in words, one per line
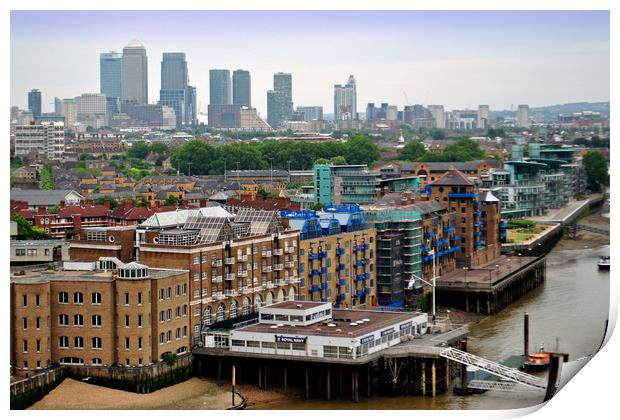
column 129, row 317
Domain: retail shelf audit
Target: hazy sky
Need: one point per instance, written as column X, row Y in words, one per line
column 455, row 58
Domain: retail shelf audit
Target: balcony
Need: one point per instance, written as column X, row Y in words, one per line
column 247, row 289
column 428, row 235
column 278, row 251
column 289, row 250
column 242, row 273
column 216, row 263
column 230, row 276
column 270, row 285
column 266, row 254
column 232, row 292
column 243, row 257
column 230, row 260
column 339, row 250
column 342, row 282
column 294, row 280
column 358, row 263
column 322, row 254
column 289, row 264
column 313, row 256
column 461, row 195
column 220, row 296
column 266, row 269
column 477, row 213
column 279, row 281
column 324, row 270
column 339, row 267
column 323, row 286
column 278, row 267
column 314, row 288
column 314, row 272
column 367, row 291
column 216, row 279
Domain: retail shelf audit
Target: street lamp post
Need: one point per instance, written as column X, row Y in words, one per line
column 432, row 283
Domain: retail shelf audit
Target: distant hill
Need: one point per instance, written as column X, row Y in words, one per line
column 550, row 113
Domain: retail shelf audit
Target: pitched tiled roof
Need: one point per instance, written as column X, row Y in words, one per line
column 453, row 177
column 86, row 211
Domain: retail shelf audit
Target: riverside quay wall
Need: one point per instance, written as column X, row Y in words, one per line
column 489, row 288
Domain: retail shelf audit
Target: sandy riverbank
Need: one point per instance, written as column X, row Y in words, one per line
column 585, row 239
column 193, row 394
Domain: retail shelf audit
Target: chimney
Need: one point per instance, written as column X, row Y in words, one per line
column 77, row 222
column 41, row 210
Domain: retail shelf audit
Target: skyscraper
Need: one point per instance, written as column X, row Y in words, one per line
column 174, row 80
column 483, row 116
column 34, row 102
column 345, row 100
column 111, row 74
column 523, row 116
column 135, row 73
column 280, row 99
column 242, row 88
column 190, row 106
column 57, row 105
column 438, row 115
column 219, row 87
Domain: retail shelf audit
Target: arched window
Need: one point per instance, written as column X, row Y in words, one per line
column 206, row 319
column 258, row 301
column 269, row 298
column 220, row 312
column 280, row 295
column 246, row 306
column 233, row 309
column 291, row 293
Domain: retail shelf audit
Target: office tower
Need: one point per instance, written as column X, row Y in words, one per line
column 311, row 113
column 438, row 115
column 391, row 113
column 68, row 109
column 111, row 74
column 45, row 138
column 34, row 102
column 219, row 87
column 91, row 103
column 280, row 100
column 242, row 85
column 14, row 113
column 483, row 116
column 174, row 80
column 190, row 106
column 57, row 105
column 135, row 73
column 345, row 100
column 523, row 116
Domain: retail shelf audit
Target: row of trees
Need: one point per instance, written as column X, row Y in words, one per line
column 459, row 151
column 205, row 159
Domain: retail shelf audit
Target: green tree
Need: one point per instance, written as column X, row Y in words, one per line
column 360, row 150
column 27, row 231
column 595, row 166
column 160, row 148
column 46, row 181
column 112, row 200
column 412, row 151
column 139, row 150
column 338, row 160
column 438, row 134
column 173, row 200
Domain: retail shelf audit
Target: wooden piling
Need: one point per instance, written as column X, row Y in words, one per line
column 526, row 334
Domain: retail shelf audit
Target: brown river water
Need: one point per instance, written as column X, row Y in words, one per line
column 567, row 314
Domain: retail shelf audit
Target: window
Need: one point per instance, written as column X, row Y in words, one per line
column 233, row 309
column 63, row 342
column 97, row 362
column 78, row 320
column 25, row 346
column 162, row 338
column 185, row 331
column 37, row 300
column 78, row 297
column 177, row 312
column 161, row 294
column 38, row 322
column 177, row 289
column 196, row 260
column 63, row 297
column 25, row 323
column 184, row 310
column 196, row 311
column 178, row 334
column 169, row 336
column 63, row 320
column 95, row 298
column 126, row 321
column 168, row 292
column 139, row 321
column 126, row 298
column 196, row 276
column 184, row 288
column 31, row 252
column 96, row 341
column 38, row 346
column 139, row 343
column 161, row 316
column 126, row 343
column 78, row 342
column 96, row 320
column 20, row 252
column 139, row 298
column 169, row 314
column 25, row 301
column 220, row 312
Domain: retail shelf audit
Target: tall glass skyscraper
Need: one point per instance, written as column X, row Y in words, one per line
column 174, row 79
column 135, row 73
column 280, row 100
column 219, row 87
column 34, row 102
column 242, row 88
column 111, row 74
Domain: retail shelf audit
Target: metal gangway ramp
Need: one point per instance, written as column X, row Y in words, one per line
column 494, row 368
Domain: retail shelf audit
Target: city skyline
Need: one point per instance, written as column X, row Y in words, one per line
column 505, row 71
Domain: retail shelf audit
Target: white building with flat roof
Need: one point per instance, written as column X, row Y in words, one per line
column 316, row 330
column 45, row 138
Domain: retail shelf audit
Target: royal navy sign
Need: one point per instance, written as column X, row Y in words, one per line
column 386, row 332
column 286, row 339
column 405, row 325
column 367, row 339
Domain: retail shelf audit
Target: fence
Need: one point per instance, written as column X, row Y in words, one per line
column 26, row 392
